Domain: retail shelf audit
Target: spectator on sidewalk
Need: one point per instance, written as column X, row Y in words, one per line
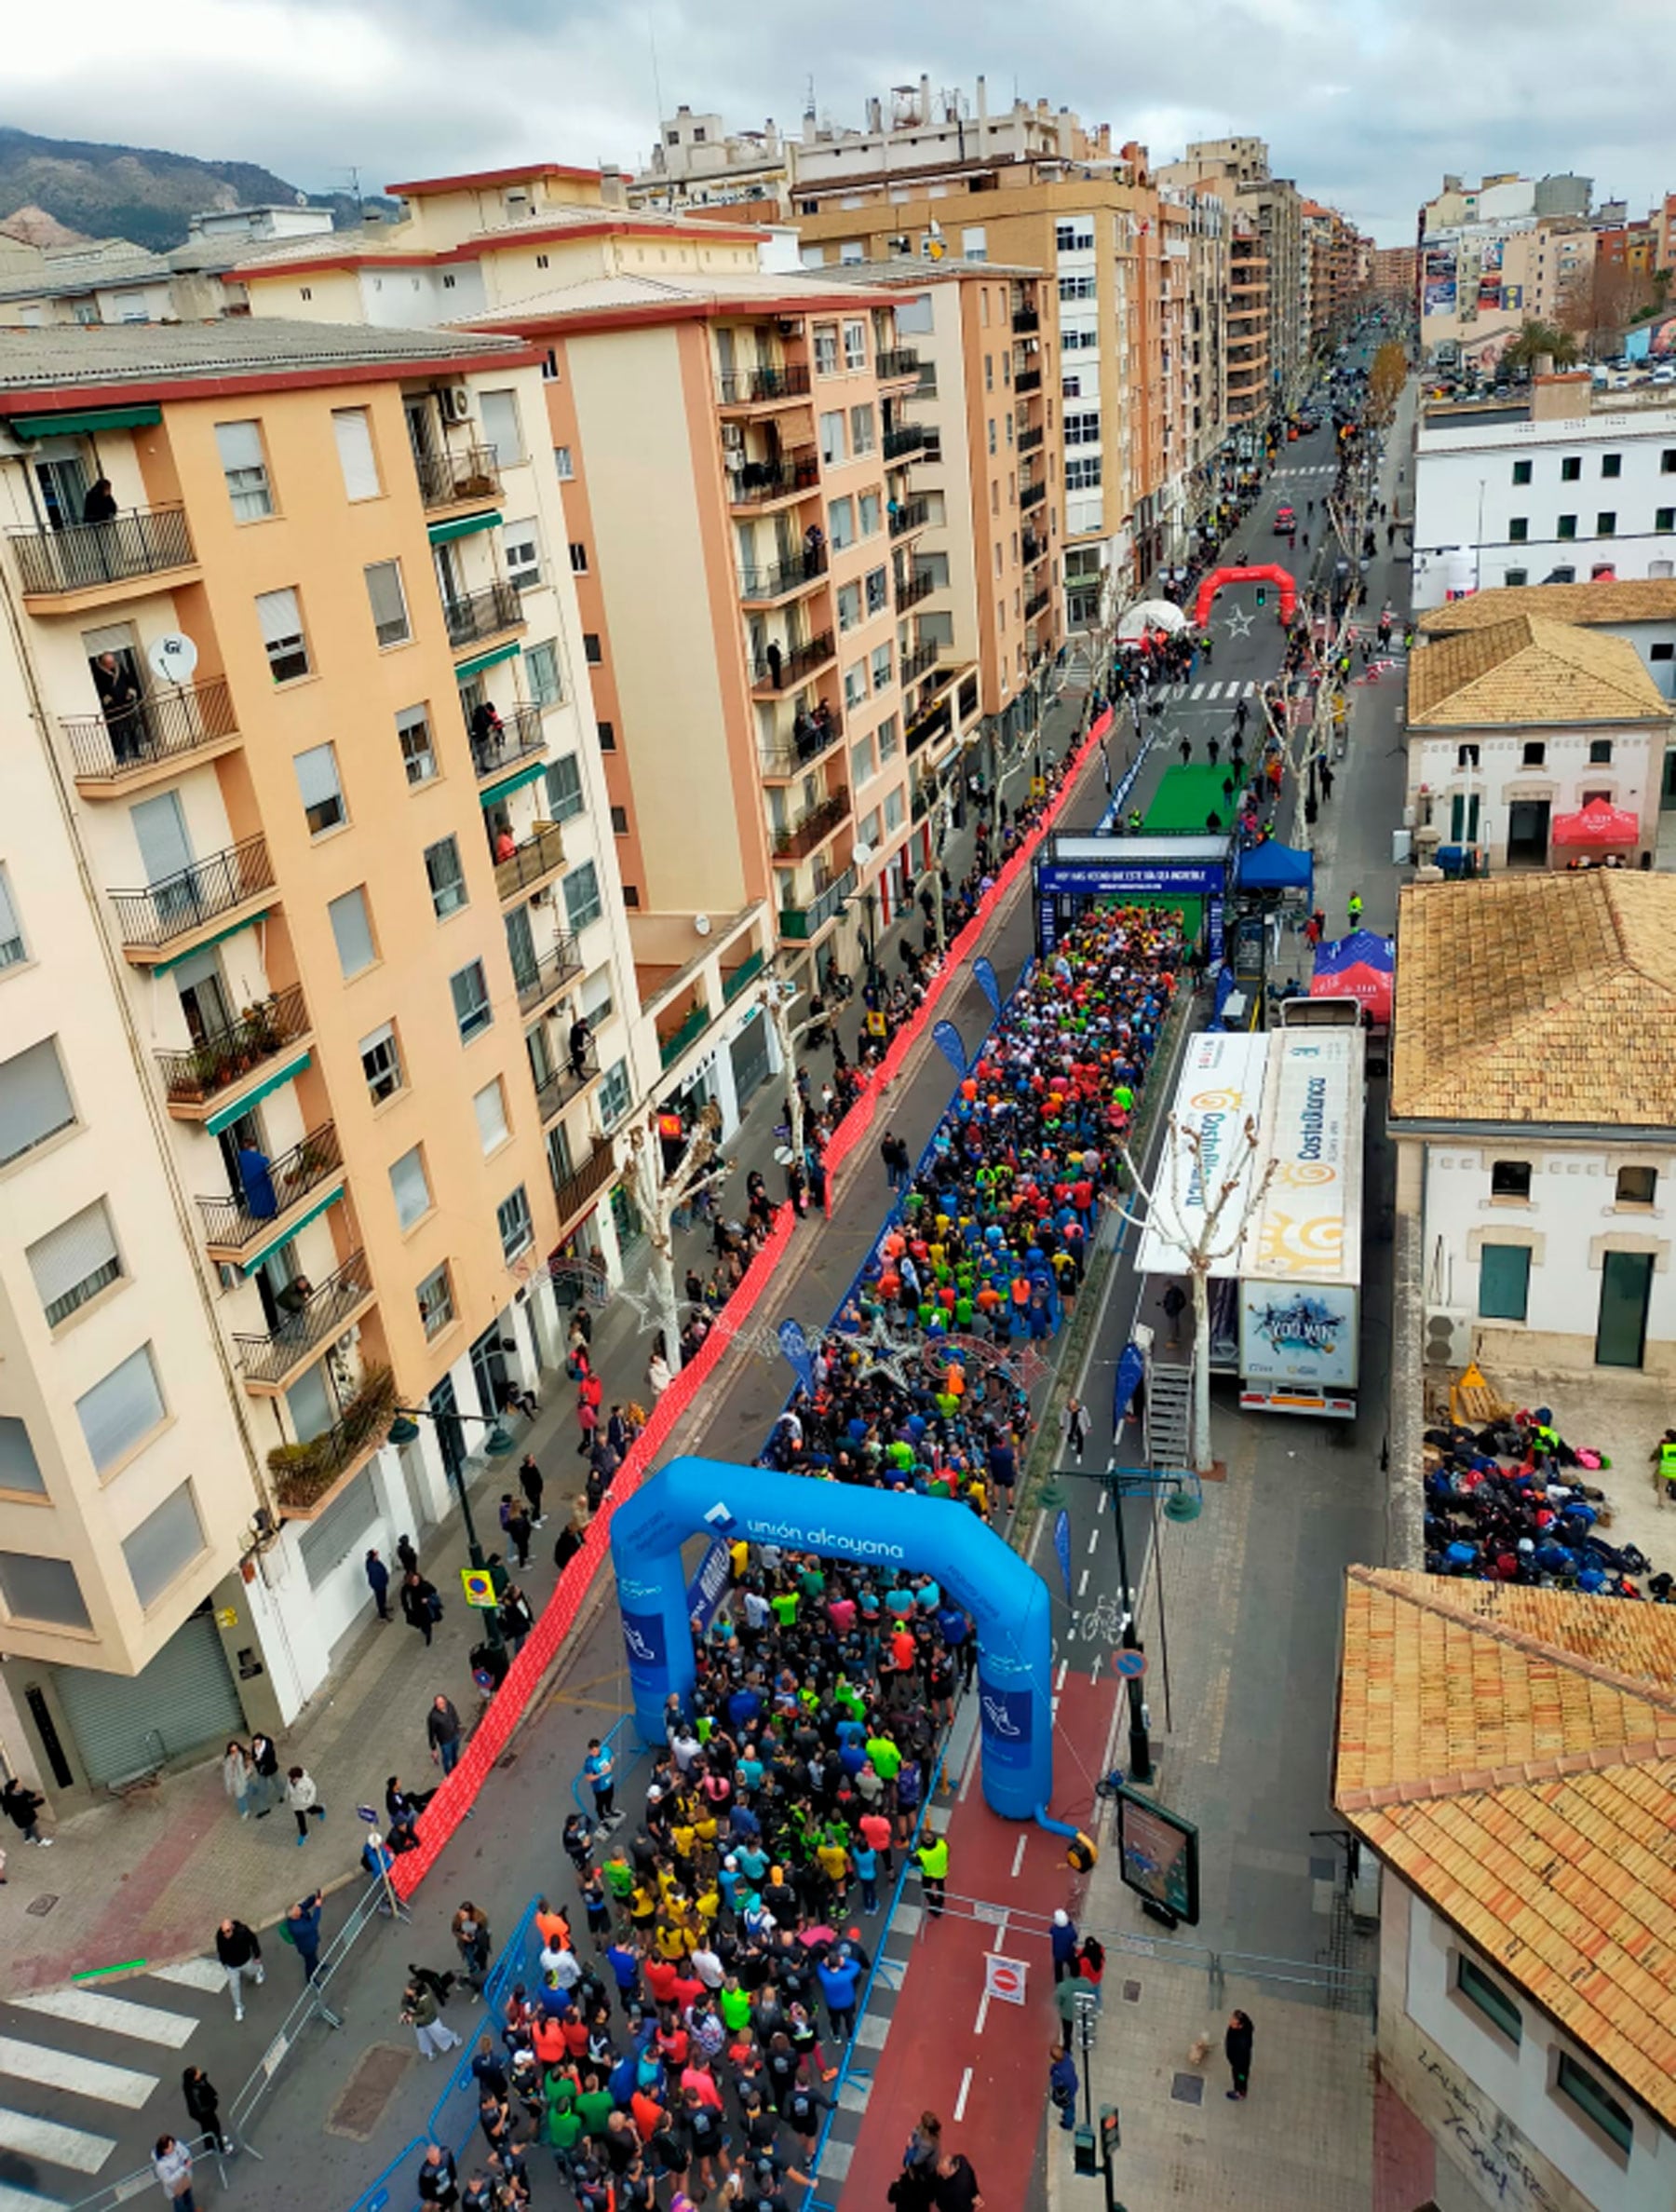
column 1063, row 1935
column 599, row 1772
column 434, row 2037
column 301, row 1929
column 570, row 1539
column 203, row 2106
column 378, row 1582
column 516, row 1619
column 240, row 1954
column 304, row 1799
column 171, row 2162
column 530, row 1483
column 265, row 1784
column 421, row 1607
column 238, row 1775
column 1062, row 2085
column 475, row 1945
column 518, row 1528
column 1236, row 2049
column 957, row 2188
column 442, row 1733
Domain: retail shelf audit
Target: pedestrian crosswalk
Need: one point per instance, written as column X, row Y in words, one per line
column 1307, row 468
column 1207, row 692
column 78, row 2066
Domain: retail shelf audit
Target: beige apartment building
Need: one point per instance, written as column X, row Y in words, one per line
column 1246, row 361
column 1237, row 170
column 304, row 875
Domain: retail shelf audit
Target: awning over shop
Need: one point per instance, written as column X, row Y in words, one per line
column 1597, row 827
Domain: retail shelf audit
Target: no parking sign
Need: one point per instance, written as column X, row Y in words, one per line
column 1004, row 1978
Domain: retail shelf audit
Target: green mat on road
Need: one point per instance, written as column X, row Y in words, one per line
column 1186, row 795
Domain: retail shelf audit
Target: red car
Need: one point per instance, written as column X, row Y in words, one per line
column 1284, row 521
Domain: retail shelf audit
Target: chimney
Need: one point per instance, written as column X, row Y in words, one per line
column 983, row 104
column 875, row 117
column 924, row 100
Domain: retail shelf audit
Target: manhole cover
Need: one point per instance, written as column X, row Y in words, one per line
column 1131, row 1992
column 368, row 2090
column 1188, row 2089
column 40, row 1906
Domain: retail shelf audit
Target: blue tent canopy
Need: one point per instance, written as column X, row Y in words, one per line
column 1277, row 867
column 1362, row 948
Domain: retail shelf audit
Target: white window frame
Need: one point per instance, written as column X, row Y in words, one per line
column 284, row 634
column 515, row 1224
column 357, row 455
column 438, row 1314
column 245, row 470
column 379, row 1053
column 403, row 1173
column 409, row 722
column 473, row 1022
column 394, row 627
column 447, row 893
column 521, row 547
column 317, row 772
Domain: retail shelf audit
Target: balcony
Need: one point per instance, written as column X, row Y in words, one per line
column 576, row 1192
column 896, row 362
column 801, row 923
column 1027, row 380
column 793, row 755
column 269, row 1363
column 752, row 965
column 917, row 587
column 467, row 477
column 92, row 557
column 521, row 737
column 672, row 1045
column 544, row 979
column 783, row 668
column 1036, row 601
column 937, row 722
column 308, row 1476
column 207, row 1075
column 154, row 736
column 234, row 1226
column 1035, row 548
column 167, row 918
column 1033, row 496
column 907, row 438
column 760, row 586
column 813, row 828
column 910, row 514
column 538, row 856
column 1025, row 321
column 758, row 483
column 923, row 657
column 762, row 388
column 483, row 614
column 563, row 1084
column 1029, row 440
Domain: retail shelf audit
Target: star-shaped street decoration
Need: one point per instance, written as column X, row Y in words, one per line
column 1240, row 622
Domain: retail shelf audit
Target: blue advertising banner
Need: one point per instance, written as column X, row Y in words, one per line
column 795, row 1345
column 950, row 1042
column 1134, row 879
column 1062, row 1544
column 709, row 1586
column 983, row 973
column 1126, row 1382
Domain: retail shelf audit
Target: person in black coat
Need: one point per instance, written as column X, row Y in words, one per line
column 203, row 2105
column 1236, row 2047
column 419, row 1606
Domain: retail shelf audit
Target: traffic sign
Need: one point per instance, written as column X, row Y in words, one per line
column 1131, row 1665
column 478, row 1585
column 1004, row 1978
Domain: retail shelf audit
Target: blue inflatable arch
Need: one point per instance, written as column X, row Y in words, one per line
column 1006, row 1599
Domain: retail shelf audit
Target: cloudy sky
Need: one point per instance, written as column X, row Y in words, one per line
column 1365, row 103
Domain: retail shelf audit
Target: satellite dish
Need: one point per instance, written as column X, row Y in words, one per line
column 860, row 855
column 701, row 922
column 172, row 659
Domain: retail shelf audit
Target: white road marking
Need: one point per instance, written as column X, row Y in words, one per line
column 113, row 2015
column 1060, row 1679
column 1099, row 1503
column 982, row 2013
column 68, row 2069
column 1093, row 1542
column 25, row 2200
column 1214, row 690
column 966, row 2084
column 1196, row 691
column 59, row 2145
column 192, row 1973
column 1084, row 1583
column 1019, row 1856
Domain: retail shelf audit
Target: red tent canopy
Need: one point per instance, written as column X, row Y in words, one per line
column 1597, row 825
column 1376, row 987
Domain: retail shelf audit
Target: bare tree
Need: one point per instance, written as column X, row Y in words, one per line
column 1386, row 380
column 1209, row 1229
column 789, row 1035
column 659, row 1194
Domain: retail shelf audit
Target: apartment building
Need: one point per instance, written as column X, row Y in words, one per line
column 697, row 162
column 1247, row 375
column 735, row 452
column 1334, row 273
column 1393, row 274
column 1237, row 170
column 304, row 874
column 982, row 573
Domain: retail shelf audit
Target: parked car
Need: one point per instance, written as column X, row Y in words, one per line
column 1285, row 520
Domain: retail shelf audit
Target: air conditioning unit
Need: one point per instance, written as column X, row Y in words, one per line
column 454, row 399
column 347, row 1341
column 1448, row 1337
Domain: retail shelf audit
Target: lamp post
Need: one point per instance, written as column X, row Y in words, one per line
column 861, row 860
column 497, row 1445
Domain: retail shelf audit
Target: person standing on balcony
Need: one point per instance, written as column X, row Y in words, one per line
column 581, row 1044
column 119, row 702
column 772, row 656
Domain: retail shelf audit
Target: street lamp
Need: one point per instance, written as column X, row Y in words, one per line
column 860, row 858
column 497, row 1445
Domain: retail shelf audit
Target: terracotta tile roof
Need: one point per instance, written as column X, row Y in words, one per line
column 1511, row 1754
column 1529, row 669
column 1628, row 599
column 1508, row 974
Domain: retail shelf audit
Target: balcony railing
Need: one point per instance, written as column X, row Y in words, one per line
column 760, row 387
column 757, row 482
column 521, row 736
column 910, row 515
column 563, row 1084
column 447, row 478
column 227, row 1056
column 907, row 438
column 576, row 1191
column 235, row 1224
column 543, row 979
column 803, row 746
column 750, row 966
column 783, row 669
column 1035, row 548
column 923, row 657
column 530, row 862
column 162, row 727
column 1028, row 380
column 1026, row 319
column 804, row 834
column 1036, row 601
column 897, row 360
column 914, row 589
column 781, row 577
column 1029, row 440
column 482, row 613
column 153, row 919
column 671, row 1047
column 315, row 1316
column 303, row 1473
column 140, row 541
column 803, row 922
column 1033, row 496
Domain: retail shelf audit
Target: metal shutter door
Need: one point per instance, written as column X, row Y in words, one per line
column 749, row 1054
column 184, row 1700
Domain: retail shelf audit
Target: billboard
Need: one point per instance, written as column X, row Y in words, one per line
column 1303, row 1334
column 1439, row 297
column 1219, row 1091
column 1307, row 1228
column 1158, row 1855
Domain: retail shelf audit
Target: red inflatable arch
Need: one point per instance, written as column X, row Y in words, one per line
column 1219, row 576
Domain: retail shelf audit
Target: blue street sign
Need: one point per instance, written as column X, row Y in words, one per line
column 1131, row 1665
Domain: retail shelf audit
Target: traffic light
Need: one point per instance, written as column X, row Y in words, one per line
column 1111, row 2133
column 1263, row 595
column 1087, row 2161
